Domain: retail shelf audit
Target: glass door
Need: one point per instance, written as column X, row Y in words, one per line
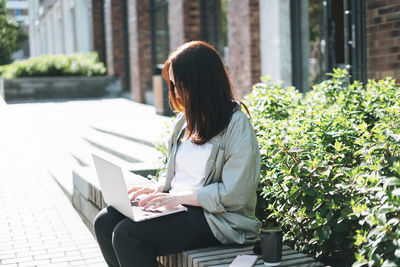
column 159, row 33
column 334, row 33
column 213, row 25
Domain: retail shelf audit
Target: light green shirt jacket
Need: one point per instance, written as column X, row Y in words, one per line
column 228, row 196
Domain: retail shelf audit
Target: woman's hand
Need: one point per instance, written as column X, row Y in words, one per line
column 139, row 190
column 156, row 200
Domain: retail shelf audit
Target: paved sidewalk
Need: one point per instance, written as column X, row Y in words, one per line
column 38, row 224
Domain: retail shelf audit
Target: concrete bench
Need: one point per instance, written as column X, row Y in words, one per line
column 222, row 256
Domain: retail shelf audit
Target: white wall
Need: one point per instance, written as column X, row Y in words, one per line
column 82, row 20
column 58, row 29
column 34, row 31
column 69, row 26
column 275, row 40
column 64, row 28
column 50, row 32
column 43, row 38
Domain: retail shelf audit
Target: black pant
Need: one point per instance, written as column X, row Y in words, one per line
column 124, row 242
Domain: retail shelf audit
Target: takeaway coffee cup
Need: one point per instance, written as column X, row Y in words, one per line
column 271, row 246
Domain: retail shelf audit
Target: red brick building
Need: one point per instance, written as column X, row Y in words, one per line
column 294, row 41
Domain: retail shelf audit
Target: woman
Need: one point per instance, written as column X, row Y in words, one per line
column 213, row 169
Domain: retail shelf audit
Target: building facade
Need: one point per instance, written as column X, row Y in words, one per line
column 296, row 41
column 58, row 27
column 19, row 10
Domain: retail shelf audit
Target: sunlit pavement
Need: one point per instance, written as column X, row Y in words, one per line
column 38, row 224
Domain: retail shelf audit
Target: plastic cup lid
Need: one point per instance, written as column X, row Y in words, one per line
column 271, row 231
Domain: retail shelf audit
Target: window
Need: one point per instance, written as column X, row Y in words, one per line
column 327, row 34
column 159, row 33
column 214, row 25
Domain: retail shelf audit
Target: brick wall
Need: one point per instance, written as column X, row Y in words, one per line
column 191, row 20
column 244, row 44
column 383, row 38
column 184, row 22
column 140, row 48
column 115, row 45
column 255, row 54
column 96, row 18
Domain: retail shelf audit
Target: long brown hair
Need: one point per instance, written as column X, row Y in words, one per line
column 204, row 89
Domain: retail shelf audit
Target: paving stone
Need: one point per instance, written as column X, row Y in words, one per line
column 8, row 251
column 21, row 250
column 77, row 263
column 63, row 259
column 65, row 264
column 7, row 256
column 34, row 263
column 5, row 246
column 17, row 260
column 34, row 252
column 41, row 256
column 73, row 253
column 78, row 257
column 93, row 260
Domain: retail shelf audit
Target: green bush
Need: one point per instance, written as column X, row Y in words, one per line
column 330, row 171
column 80, row 64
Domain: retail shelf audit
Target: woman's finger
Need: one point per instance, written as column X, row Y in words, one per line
column 135, row 188
column 156, row 205
column 154, row 202
column 142, row 191
column 151, row 197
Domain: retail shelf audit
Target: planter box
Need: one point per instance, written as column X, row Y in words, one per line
column 1, row 90
column 61, row 87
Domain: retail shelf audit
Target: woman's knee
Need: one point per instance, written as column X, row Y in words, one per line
column 129, row 231
column 120, row 231
column 106, row 219
column 131, row 245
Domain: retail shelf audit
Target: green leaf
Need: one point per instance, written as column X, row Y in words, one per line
column 341, row 227
column 329, row 215
column 397, row 253
column 393, row 221
column 396, row 192
column 363, row 126
column 359, row 263
column 389, row 263
column 360, row 239
column 338, row 146
column 326, row 231
column 381, row 217
column 316, row 206
column 391, row 182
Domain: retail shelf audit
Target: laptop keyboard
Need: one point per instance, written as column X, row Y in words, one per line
column 135, row 203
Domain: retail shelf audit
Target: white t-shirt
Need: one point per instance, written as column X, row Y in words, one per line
column 190, row 165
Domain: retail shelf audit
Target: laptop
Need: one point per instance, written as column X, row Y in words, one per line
column 113, row 186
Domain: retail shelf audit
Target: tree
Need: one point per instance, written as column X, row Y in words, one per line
column 11, row 35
